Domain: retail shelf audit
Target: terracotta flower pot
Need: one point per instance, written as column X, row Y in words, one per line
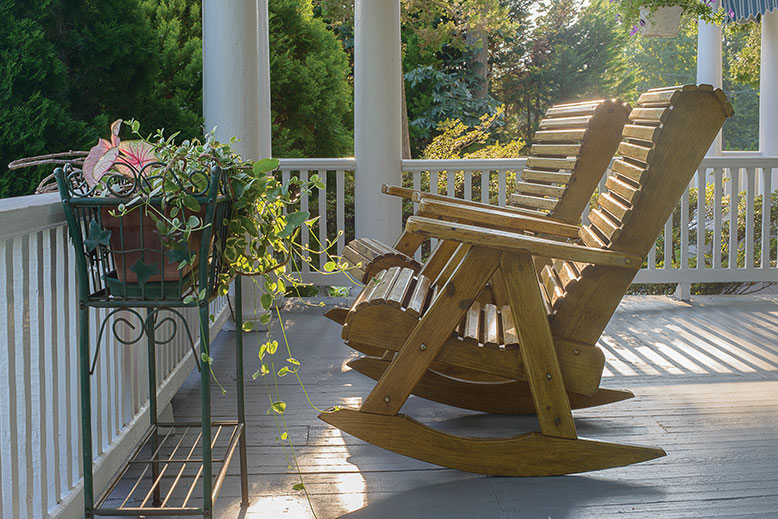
column 127, row 247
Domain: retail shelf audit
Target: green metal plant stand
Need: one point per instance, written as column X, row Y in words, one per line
column 122, row 266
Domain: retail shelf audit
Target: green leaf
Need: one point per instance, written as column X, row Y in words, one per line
column 205, row 358
column 272, row 347
column 264, row 318
column 191, row 203
column 298, row 486
column 297, row 218
column 284, row 436
column 193, row 221
column 283, row 371
column 264, row 370
column 292, row 360
column 247, row 326
column 266, row 301
column 97, row 236
column 264, row 165
column 144, row 271
column 278, row 407
column 330, row 266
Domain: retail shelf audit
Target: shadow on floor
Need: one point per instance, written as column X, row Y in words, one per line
column 497, row 498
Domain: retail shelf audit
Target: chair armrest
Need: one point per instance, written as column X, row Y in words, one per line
column 519, row 243
column 494, row 219
column 418, row 196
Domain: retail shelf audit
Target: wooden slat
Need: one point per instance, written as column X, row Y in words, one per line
column 400, row 288
column 571, row 110
column 654, row 115
column 365, row 249
column 472, row 322
column 377, row 245
column 550, row 163
column 614, row 206
column 590, row 239
column 419, row 296
column 366, row 295
column 490, row 326
column 667, row 97
column 629, row 170
column 559, row 135
column 385, row 287
column 551, row 283
column 643, row 133
column 604, row 224
column 558, row 150
column 635, row 151
column 545, row 176
column 539, row 189
column 565, row 122
column 532, row 201
column 566, row 272
column 627, row 191
column 508, row 328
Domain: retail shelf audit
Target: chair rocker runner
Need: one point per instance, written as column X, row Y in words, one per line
column 670, row 132
column 572, row 149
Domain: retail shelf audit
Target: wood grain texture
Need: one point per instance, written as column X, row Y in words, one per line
column 519, row 243
column 537, row 346
column 529, row 454
column 491, row 219
column 504, row 397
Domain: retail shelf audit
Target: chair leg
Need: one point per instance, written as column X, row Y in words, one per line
column 537, row 346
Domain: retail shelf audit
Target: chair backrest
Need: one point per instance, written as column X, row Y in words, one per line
column 569, row 155
column 671, row 129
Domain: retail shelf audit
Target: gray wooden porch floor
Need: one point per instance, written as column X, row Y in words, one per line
column 705, row 376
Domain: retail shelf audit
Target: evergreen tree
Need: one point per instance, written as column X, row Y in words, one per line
column 310, row 94
column 34, row 102
column 176, row 96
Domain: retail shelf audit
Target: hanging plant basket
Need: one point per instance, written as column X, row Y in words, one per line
column 663, row 22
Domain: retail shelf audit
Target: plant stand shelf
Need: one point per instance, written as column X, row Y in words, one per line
column 164, row 475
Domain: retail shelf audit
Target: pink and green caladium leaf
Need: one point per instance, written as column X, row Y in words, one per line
column 115, row 127
column 137, row 154
column 104, row 163
column 97, row 151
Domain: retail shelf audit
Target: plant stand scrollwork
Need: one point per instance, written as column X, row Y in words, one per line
column 124, row 268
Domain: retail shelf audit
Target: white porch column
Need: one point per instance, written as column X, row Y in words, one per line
column 709, row 63
column 236, row 87
column 377, row 117
column 263, row 81
column 230, row 72
column 768, row 83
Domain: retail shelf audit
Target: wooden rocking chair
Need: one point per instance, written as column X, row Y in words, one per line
column 670, row 132
column 572, row 149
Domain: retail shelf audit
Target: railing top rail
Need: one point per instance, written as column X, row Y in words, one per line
column 462, row 164
column 310, row 164
column 26, row 214
column 739, row 162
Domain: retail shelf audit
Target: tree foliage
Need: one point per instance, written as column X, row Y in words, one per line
column 310, row 93
column 572, row 51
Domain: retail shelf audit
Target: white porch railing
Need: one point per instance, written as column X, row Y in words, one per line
column 39, row 412
column 693, row 256
column 40, row 469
